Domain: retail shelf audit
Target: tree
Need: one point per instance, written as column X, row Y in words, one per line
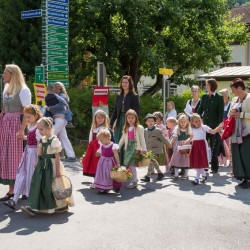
column 20, row 40
column 138, row 37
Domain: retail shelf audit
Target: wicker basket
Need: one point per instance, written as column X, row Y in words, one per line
column 119, row 175
column 144, row 163
column 184, row 149
column 61, row 194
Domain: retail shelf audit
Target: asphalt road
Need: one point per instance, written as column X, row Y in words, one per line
column 166, row 214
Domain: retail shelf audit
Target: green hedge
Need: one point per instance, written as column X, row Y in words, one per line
column 80, row 104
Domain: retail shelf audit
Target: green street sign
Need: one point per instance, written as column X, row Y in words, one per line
column 58, row 68
column 52, row 45
column 57, row 29
column 57, row 60
column 58, row 76
column 61, row 53
column 39, row 74
column 65, row 82
column 58, row 38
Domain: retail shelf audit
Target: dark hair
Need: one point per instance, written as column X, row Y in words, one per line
column 158, row 115
column 238, row 82
column 213, row 84
column 131, row 85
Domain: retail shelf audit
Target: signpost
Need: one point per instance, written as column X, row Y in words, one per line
column 55, row 39
column 166, row 74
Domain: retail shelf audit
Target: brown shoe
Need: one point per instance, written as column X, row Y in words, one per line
column 7, row 197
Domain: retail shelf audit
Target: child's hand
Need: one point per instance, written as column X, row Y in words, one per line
column 98, row 154
column 35, row 165
column 221, row 125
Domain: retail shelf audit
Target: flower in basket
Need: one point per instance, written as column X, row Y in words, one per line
column 129, row 174
column 145, row 159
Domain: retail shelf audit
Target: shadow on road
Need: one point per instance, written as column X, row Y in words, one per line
column 25, row 225
column 91, row 195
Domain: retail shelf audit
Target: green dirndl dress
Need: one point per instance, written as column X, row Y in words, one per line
column 41, row 196
column 130, row 153
column 117, row 136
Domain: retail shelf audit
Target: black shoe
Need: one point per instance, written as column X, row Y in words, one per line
column 213, row 172
column 195, row 182
column 7, row 197
column 117, row 190
column 245, row 185
column 102, row 192
column 146, row 178
column 160, row 176
column 24, row 197
column 182, row 172
column 242, row 183
column 204, row 179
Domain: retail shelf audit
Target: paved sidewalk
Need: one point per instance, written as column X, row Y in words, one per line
column 163, row 214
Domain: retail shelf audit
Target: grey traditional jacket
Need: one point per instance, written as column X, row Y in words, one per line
column 155, row 140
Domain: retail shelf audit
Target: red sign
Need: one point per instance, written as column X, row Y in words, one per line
column 100, row 96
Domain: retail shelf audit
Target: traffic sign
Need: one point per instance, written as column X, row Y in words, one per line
column 31, row 13
column 58, row 22
column 59, row 7
column 58, row 68
column 39, row 74
column 61, row 15
column 65, row 82
column 57, row 60
column 58, row 76
column 59, row 53
column 57, row 29
column 52, row 45
column 59, row 1
column 58, row 38
column 163, row 71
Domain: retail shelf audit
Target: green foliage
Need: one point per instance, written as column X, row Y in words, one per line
column 20, row 40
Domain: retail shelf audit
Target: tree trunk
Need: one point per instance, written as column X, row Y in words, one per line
column 156, row 87
column 134, row 71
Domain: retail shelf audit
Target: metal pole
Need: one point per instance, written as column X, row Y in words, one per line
column 164, row 98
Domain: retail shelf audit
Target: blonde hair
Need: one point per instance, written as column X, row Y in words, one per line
column 102, row 114
column 195, row 87
column 17, row 81
column 172, row 103
column 105, row 133
column 183, row 117
column 126, row 124
column 46, row 122
column 225, row 92
column 172, row 120
column 61, row 88
column 33, row 110
column 193, row 117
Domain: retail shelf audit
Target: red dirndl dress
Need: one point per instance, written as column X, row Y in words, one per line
column 198, row 154
column 90, row 160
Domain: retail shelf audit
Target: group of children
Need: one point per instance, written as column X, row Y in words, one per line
column 40, row 170
column 181, row 144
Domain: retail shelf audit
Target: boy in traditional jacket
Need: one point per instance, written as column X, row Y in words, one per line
column 154, row 141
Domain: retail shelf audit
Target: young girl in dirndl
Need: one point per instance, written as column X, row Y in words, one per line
column 26, row 167
column 47, row 175
column 180, row 134
column 199, row 151
column 90, row 160
column 108, row 151
column 133, row 138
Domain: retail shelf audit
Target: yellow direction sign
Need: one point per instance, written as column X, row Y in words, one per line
column 163, row 71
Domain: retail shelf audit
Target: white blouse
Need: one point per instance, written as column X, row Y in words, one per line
column 200, row 133
column 114, row 147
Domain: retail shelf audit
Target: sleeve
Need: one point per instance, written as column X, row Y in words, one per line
column 38, row 135
column 122, row 140
column 55, row 146
column 142, row 138
column 40, row 143
column 200, row 110
column 90, row 135
column 25, row 97
column 206, row 128
column 115, row 147
column 220, row 109
column 163, row 139
column 99, row 150
column 135, row 105
column 175, row 132
column 58, row 107
column 188, row 109
column 114, row 115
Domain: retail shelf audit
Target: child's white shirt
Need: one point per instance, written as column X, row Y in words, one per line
column 114, row 147
column 200, row 133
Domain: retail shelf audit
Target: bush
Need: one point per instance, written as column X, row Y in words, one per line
column 81, row 106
